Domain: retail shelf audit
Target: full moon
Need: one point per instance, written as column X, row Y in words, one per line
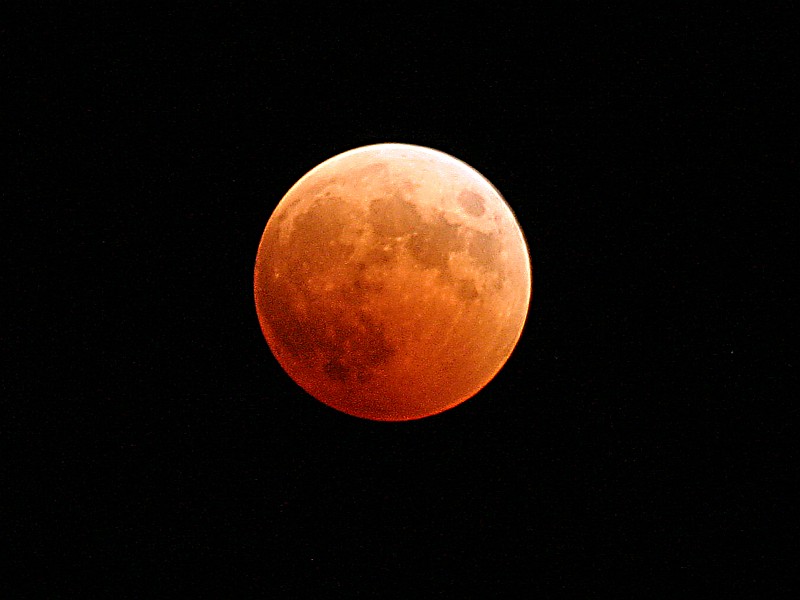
column 392, row 282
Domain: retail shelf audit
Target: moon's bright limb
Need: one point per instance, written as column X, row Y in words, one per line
column 392, row 282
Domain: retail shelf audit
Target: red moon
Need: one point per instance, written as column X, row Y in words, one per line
column 392, row 282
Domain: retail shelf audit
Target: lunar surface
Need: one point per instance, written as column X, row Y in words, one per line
column 392, row 282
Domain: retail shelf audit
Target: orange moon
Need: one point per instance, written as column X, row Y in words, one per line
column 392, row 282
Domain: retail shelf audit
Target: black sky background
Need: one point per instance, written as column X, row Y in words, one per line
column 636, row 442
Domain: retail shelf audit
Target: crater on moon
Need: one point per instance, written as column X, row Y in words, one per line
column 471, row 202
column 392, row 282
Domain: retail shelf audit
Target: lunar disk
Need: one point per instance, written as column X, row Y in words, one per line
column 392, row 282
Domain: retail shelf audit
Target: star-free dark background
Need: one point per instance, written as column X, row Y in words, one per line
column 635, row 442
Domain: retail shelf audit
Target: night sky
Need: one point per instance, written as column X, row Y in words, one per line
column 635, row 443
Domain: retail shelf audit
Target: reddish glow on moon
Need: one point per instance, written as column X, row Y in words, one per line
column 392, row 282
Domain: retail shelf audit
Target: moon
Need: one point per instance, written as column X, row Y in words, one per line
column 392, row 282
